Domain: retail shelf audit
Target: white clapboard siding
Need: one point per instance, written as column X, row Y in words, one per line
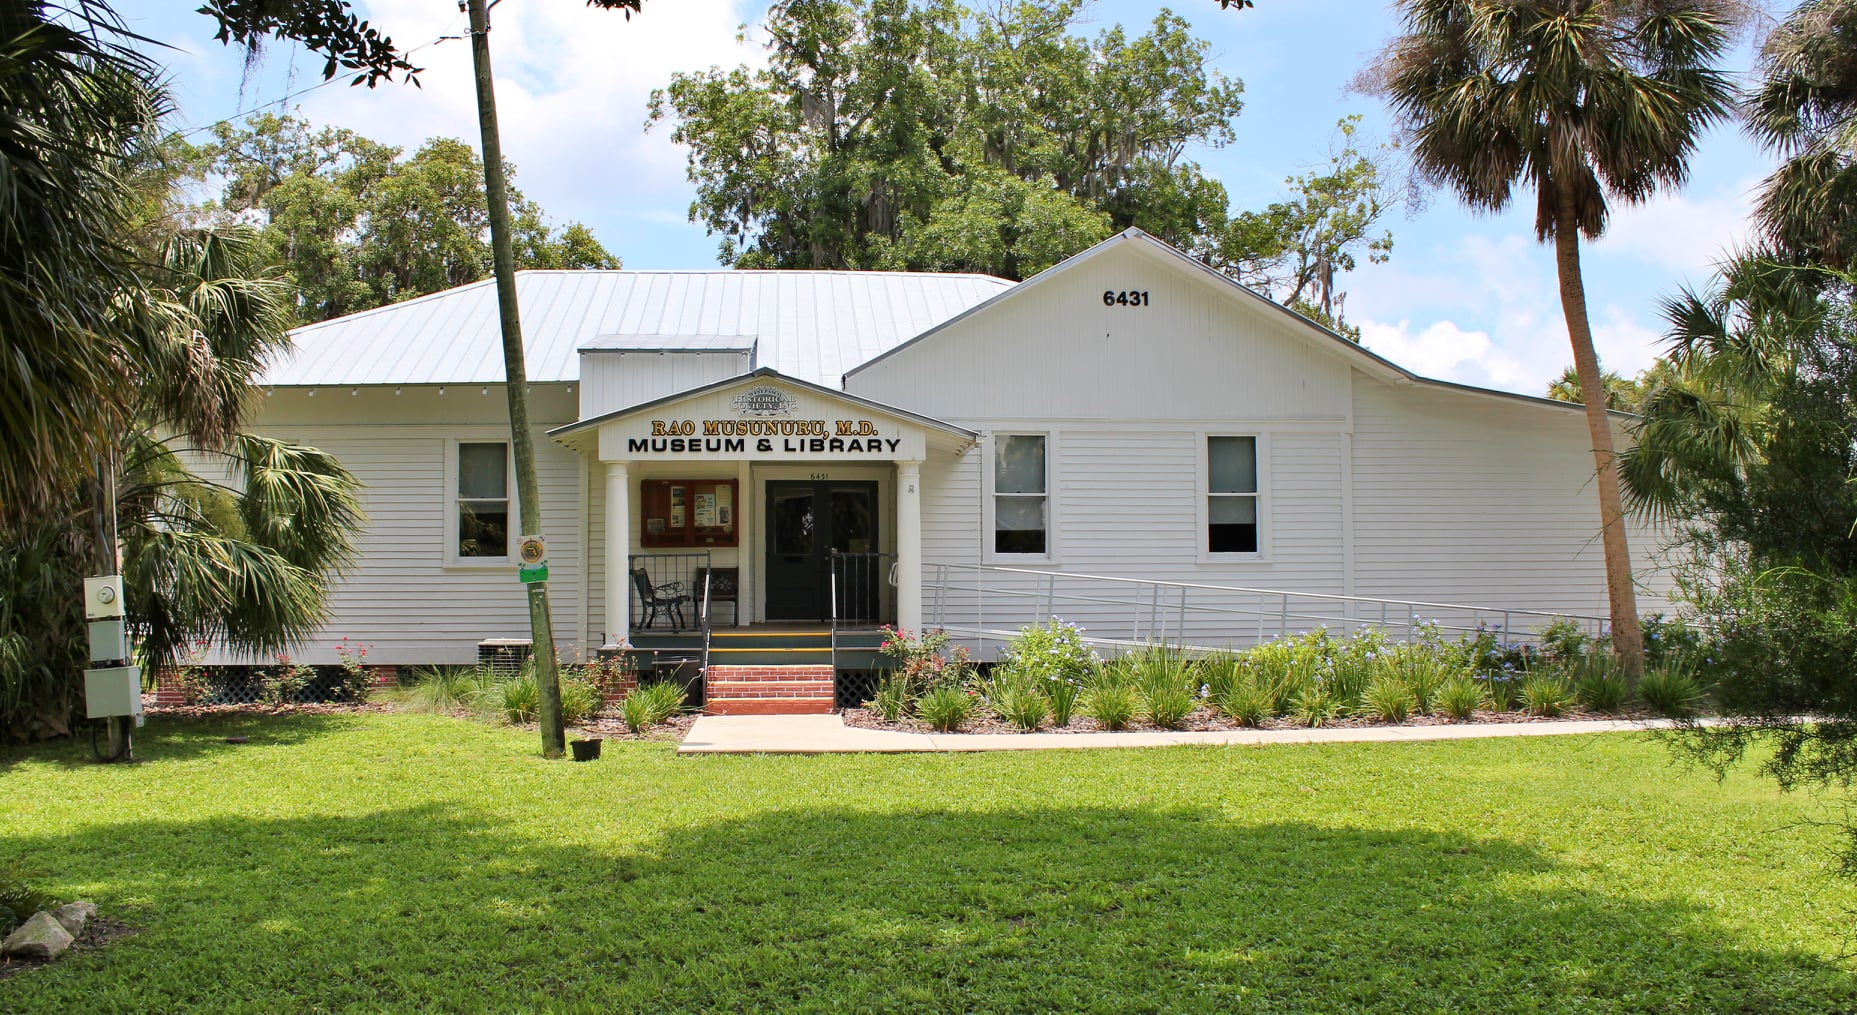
column 1051, row 350
column 400, row 597
column 1124, row 503
column 1469, row 498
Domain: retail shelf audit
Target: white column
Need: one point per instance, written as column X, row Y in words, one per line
column 909, row 545
column 618, row 555
column 746, row 605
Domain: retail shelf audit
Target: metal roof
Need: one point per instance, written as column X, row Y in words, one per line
column 669, row 343
column 812, row 325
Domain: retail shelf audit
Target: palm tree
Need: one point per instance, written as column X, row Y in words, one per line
column 72, row 105
column 1805, row 109
column 227, row 537
column 1586, row 101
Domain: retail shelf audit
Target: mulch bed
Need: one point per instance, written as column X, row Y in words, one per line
column 1206, row 720
column 100, row 932
column 262, row 709
column 611, row 727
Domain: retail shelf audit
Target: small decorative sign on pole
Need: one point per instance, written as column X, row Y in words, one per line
column 532, row 560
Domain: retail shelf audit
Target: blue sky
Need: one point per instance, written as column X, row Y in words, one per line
column 1465, row 297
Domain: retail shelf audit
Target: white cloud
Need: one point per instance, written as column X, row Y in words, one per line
column 1685, row 233
column 572, row 85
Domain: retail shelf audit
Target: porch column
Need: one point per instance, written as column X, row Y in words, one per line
column 618, row 555
column 909, row 545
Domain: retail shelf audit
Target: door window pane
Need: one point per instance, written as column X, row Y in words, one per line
column 1234, row 464
column 792, row 522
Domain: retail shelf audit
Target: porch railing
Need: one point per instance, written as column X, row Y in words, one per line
column 858, row 585
column 1130, row 612
column 673, row 589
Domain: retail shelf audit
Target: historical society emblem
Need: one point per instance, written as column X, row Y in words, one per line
column 765, row 400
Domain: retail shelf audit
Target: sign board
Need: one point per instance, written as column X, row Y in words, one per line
column 531, row 574
column 532, row 560
column 762, row 423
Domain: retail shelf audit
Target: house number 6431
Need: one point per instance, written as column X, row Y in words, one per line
column 1127, row 298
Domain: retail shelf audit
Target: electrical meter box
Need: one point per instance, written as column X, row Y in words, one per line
column 109, row 641
column 113, row 690
column 103, row 597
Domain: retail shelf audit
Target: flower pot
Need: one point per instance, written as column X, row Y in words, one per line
column 585, row 750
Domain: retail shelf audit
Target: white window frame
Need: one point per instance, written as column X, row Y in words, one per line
column 451, row 498
column 1203, row 512
column 987, row 552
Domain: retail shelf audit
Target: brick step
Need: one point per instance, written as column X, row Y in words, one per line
column 723, row 674
column 768, row 690
column 768, row 706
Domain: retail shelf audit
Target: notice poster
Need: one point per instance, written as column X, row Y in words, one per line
column 705, row 510
column 725, row 506
column 677, row 507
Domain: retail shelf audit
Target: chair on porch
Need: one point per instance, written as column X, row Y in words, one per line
column 722, row 588
column 656, row 601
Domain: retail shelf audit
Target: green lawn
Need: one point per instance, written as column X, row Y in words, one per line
column 418, row 863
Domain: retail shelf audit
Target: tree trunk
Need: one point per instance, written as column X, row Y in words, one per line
column 1627, row 639
column 516, row 382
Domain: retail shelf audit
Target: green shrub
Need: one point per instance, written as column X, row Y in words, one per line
column 1315, row 706
column 892, row 698
column 519, row 700
column 650, row 705
column 580, row 700
column 1460, row 697
column 1388, row 699
column 945, row 707
column 1247, row 702
column 1165, row 687
column 1670, row 691
column 1111, row 704
column 1500, row 690
column 441, row 691
column 1063, row 693
column 1051, row 649
column 1564, row 639
column 1021, row 704
column 1546, row 694
column 1598, row 685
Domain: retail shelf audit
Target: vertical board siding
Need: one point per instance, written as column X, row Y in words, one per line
column 612, row 380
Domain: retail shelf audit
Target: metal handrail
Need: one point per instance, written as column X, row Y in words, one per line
column 703, row 616
column 1165, row 600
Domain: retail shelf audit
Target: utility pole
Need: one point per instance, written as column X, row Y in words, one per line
column 516, row 381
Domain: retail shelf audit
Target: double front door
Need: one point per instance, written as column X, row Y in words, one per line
column 806, row 522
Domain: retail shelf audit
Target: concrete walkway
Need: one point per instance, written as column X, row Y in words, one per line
column 827, row 734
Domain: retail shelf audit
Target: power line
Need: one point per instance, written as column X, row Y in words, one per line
column 280, row 100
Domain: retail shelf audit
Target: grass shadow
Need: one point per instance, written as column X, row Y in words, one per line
column 1125, row 909
column 186, row 738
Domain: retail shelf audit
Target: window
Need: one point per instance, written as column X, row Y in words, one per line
column 1019, row 494
column 1231, row 494
column 483, row 499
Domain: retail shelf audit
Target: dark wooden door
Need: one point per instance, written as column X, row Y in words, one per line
column 806, row 521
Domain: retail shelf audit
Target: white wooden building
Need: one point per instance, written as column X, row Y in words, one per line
column 1129, row 441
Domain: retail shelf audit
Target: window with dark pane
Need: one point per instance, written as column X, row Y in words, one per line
column 1019, row 494
column 1231, row 509
column 483, row 500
